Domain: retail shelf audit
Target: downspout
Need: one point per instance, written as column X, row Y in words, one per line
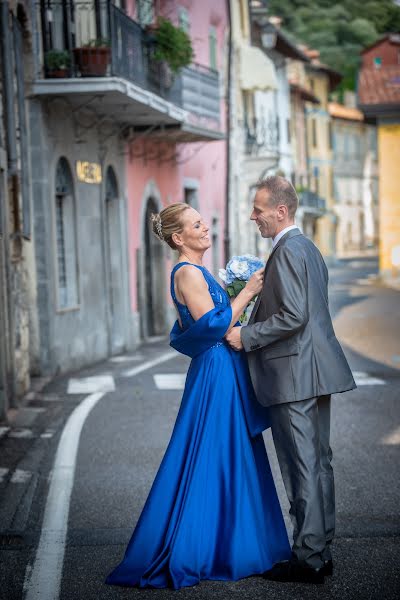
column 228, row 140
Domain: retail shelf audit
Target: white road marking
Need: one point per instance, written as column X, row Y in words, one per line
column 20, row 433
column 149, row 364
column 392, row 439
column 362, row 378
column 3, row 431
column 20, row 476
column 3, row 474
column 170, row 381
column 91, row 385
column 47, row 434
column 43, row 579
column 122, row 359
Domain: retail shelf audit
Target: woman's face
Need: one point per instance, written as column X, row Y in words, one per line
column 195, row 232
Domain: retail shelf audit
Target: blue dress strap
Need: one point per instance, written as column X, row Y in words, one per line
column 174, row 270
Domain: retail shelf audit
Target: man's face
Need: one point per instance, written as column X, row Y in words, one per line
column 267, row 217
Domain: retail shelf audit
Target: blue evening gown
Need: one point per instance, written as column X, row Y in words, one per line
column 212, row 512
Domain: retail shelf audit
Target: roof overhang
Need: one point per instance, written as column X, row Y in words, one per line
column 304, row 93
column 372, row 112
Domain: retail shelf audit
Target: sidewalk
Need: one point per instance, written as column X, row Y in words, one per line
column 370, row 325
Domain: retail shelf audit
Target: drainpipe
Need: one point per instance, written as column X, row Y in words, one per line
column 7, row 64
column 228, row 139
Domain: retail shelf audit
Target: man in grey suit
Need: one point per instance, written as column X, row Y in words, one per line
column 296, row 363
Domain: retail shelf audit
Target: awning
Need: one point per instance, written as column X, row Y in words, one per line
column 257, row 71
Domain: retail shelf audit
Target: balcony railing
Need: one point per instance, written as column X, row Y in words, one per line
column 262, row 135
column 312, row 200
column 100, row 40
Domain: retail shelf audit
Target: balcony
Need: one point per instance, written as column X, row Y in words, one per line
column 118, row 76
column 261, row 137
column 311, row 203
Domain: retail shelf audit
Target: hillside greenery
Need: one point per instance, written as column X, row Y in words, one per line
column 339, row 30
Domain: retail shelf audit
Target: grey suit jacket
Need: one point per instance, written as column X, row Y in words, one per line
column 292, row 350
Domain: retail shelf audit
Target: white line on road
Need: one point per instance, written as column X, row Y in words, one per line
column 90, row 385
column 151, row 363
column 170, row 381
column 20, row 476
column 42, row 581
column 3, row 474
column 364, row 379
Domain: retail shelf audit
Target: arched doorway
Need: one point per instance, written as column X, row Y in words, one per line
column 153, row 306
column 113, row 258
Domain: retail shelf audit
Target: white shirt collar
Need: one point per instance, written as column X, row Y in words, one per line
column 276, row 239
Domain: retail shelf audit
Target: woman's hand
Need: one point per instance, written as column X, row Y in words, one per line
column 255, row 283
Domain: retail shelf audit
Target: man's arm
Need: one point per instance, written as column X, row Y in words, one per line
column 290, row 287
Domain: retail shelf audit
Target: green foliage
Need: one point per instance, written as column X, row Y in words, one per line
column 57, row 60
column 339, row 31
column 173, row 45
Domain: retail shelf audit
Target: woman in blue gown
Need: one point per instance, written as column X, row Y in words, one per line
column 212, row 512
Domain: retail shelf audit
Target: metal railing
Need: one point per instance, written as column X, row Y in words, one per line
column 261, row 135
column 95, row 38
column 310, row 199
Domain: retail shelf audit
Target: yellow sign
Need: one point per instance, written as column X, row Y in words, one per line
column 88, row 172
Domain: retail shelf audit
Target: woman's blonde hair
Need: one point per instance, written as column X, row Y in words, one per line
column 169, row 221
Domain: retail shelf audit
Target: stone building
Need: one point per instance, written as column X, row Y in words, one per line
column 18, row 324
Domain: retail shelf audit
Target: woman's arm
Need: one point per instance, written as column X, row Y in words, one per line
column 193, row 289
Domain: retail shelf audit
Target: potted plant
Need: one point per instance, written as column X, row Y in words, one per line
column 173, row 48
column 57, row 63
column 93, row 58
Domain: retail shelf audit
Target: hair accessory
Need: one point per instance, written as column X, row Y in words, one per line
column 159, row 227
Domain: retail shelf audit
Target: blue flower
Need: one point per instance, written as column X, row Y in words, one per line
column 241, row 268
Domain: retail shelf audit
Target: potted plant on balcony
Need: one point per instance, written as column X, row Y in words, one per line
column 57, row 63
column 173, row 49
column 93, row 58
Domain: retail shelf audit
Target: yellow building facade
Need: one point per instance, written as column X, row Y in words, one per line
column 389, row 199
column 321, row 80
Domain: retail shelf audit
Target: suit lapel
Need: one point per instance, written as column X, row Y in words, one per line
column 289, row 234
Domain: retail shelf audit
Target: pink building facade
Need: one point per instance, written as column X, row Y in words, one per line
column 169, row 166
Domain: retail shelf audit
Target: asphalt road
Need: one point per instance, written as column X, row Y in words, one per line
column 121, row 446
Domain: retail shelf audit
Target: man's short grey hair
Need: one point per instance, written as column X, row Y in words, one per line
column 281, row 191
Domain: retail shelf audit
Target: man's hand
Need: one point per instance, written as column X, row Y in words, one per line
column 233, row 338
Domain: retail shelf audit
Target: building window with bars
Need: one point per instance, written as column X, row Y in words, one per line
column 65, row 229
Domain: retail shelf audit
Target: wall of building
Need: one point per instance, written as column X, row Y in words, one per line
column 389, row 205
column 80, row 332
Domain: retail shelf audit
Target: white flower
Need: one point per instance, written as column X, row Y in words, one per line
column 222, row 275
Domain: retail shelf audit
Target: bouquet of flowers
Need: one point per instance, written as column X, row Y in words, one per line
column 237, row 273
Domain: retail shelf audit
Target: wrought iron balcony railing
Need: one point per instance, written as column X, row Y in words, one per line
column 310, row 199
column 262, row 135
column 97, row 39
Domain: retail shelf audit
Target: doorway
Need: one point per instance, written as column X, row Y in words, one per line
column 115, row 296
column 153, row 304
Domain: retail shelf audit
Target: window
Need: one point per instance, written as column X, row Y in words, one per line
column 288, row 130
column 314, row 132
column 330, row 136
column 65, row 223
column 145, row 12
column 212, row 40
column 377, row 62
column 184, row 22
column 191, row 197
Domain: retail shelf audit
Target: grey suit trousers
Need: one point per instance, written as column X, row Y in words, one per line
column 301, row 432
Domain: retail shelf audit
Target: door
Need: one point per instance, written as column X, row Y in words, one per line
column 115, row 295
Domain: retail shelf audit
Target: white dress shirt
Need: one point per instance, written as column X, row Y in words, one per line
column 276, row 239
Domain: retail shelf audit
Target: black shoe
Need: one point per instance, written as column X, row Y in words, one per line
column 327, row 569
column 289, row 571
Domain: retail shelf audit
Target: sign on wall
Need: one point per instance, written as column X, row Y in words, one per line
column 88, row 172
